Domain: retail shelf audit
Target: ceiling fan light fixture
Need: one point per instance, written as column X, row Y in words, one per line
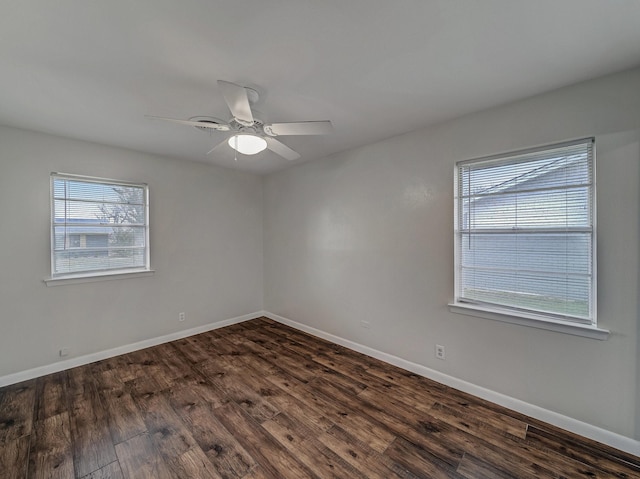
column 247, row 144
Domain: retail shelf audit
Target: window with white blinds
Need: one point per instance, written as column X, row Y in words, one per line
column 98, row 226
column 525, row 232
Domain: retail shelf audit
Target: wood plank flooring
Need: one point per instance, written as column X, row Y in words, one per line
column 260, row 400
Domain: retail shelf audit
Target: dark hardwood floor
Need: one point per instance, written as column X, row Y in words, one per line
column 261, row 400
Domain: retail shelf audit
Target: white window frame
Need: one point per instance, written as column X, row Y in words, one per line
column 57, row 279
column 541, row 320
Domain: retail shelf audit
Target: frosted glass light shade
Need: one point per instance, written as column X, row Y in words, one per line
column 247, row 144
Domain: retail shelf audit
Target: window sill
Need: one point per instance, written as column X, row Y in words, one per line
column 94, row 277
column 532, row 321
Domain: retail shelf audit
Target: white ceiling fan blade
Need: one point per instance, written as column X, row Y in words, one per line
column 281, row 149
column 238, row 101
column 219, row 145
column 299, row 128
column 199, row 124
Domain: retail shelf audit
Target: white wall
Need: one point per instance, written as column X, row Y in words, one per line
column 206, row 248
column 368, row 234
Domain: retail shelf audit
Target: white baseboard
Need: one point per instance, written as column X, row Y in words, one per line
column 575, row 426
column 128, row 348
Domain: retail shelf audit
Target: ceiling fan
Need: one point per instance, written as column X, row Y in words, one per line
column 251, row 135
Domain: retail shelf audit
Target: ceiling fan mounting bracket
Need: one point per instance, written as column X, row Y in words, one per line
column 244, row 122
column 255, row 128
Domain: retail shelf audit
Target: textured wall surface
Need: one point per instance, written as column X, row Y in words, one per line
column 206, row 249
column 368, row 235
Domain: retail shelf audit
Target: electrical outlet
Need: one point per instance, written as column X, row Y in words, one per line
column 181, row 317
column 439, row 351
column 365, row 324
column 64, row 352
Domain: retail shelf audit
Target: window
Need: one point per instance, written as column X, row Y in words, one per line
column 98, row 227
column 525, row 241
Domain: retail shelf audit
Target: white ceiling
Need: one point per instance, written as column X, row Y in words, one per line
column 376, row 68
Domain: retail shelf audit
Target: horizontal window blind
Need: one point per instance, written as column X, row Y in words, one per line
column 97, row 226
column 525, row 231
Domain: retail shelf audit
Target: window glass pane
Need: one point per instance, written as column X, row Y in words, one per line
column 70, row 261
column 532, row 209
column 552, row 253
column 105, row 236
column 550, row 168
column 525, row 231
column 97, row 226
column 99, row 192
column 89, row 212
column 529, row 291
